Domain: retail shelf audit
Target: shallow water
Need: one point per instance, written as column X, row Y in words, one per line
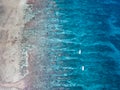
column 70, row 35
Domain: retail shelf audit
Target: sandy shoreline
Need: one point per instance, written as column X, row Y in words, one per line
column 12, row 13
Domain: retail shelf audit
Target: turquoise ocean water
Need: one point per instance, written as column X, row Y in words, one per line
column 78, row 44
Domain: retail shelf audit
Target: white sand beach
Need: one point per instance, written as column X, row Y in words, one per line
column 11, row 26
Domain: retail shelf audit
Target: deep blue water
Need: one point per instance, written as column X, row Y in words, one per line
column 75, row 33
